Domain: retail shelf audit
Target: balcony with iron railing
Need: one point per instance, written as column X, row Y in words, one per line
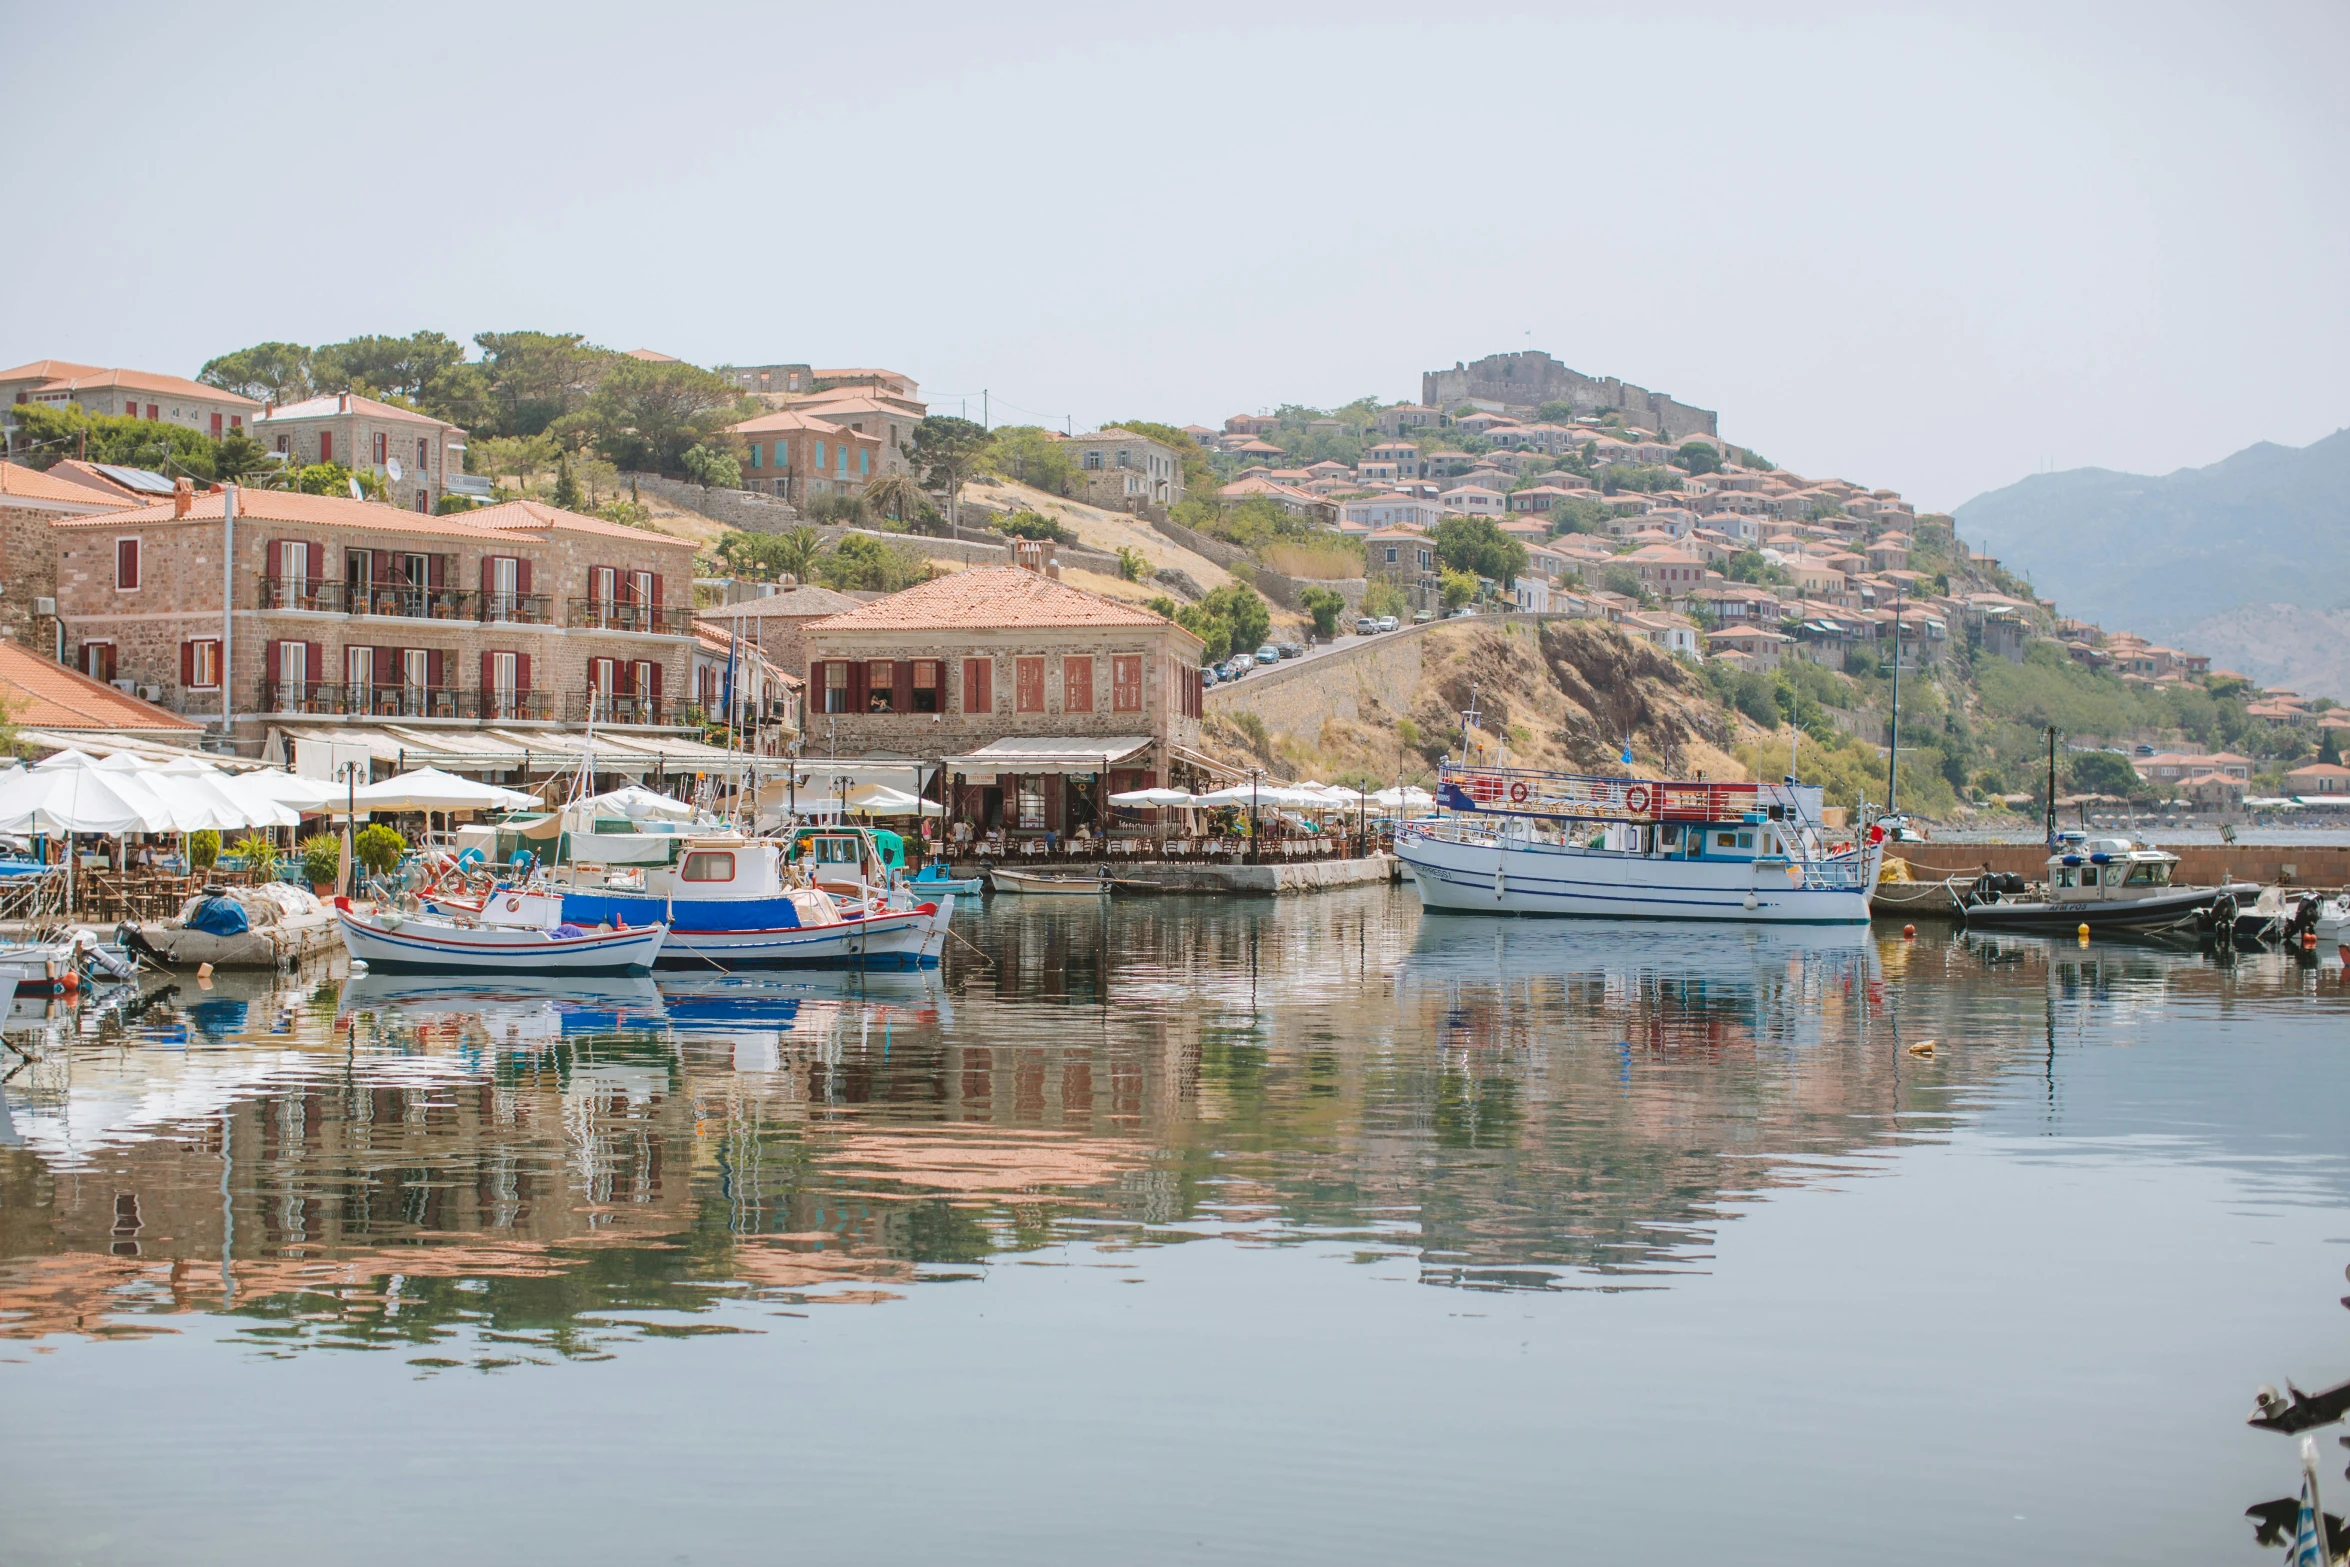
column 408, row 601
column 610, row 615
column 403, row 600
column 501, row 608
column 344, row 698
column 608, row 707
column 310, row 593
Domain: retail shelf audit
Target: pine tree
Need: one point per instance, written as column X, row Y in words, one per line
column 566, row 487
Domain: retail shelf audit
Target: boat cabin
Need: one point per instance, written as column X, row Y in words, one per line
column 2106, row 870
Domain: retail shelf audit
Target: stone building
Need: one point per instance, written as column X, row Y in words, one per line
column 128, row 394
column 1528, row 380
column 777, row 624
column 349, row 611
column 799, row 457
column 1037, row 698
column 1123, row 471
column 30, row 501
column 414, row 454
column 888, row 416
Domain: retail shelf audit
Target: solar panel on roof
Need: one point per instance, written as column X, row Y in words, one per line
column 145, row 481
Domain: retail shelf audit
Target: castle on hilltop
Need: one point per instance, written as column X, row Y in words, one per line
column 1525, row 381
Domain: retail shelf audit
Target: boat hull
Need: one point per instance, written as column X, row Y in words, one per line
column 417, row 947
column 2131, row 914
column 1032, row 885
column 748, row 933
column 1471, row 877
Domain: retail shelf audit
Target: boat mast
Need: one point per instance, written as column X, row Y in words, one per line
column 1893, row 751
column 2051, row 788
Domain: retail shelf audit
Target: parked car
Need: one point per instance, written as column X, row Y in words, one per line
column 1234, row 668
column 1207, row 677
column 1293, row 650
column 1390, row 623
column 1423, row 617
column 1268, row 654
column 1365, row 626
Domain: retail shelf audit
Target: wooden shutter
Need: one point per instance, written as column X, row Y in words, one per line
column 269, row 660
column 488, row 578
column 978, row 685
column 277, row 557
column 436, row 571
column 521, row 672
column 522, row 575
column 656, row 590
column 436, row 666
column 313, row 663
column 489, row 675
column 653, row 674
column 902, row 697
column 860, row 685
column 187, row 664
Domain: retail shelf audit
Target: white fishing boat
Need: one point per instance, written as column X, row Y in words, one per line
column 40, row 968
column 817, row 897
column 2105, row 884
column 1039, row 884
column 1518, row 841
column 390, row 941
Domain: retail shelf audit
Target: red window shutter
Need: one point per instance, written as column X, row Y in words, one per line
column 488, row 581
column 654, row 689
column 269, row 661
column 522, row 671
column 326, row 446
column 436, row 571
column 187, row 663
column 436, row 668
column 153, row 411
column 489, row 672
column 656, row 590
column 314, row 662
column 522, row 576
column 216, row 427
column 860, row 686
column 277, row 557
column 380, row 439
column 902, row 697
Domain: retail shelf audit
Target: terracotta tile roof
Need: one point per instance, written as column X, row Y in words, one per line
column 538, row 517
column 789, row 420
column 335, row 511
column 40, row 694
column 987, row 597
column 337, row 405
column 47, row 370
column 32, row 488
column 804, row 602
column 145, row 381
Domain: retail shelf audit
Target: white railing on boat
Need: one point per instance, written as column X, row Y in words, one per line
column 1844, row 873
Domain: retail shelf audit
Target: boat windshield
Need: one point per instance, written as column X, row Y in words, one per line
column 2150, row 873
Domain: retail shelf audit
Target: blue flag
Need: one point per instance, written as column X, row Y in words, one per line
column 2310, row 1547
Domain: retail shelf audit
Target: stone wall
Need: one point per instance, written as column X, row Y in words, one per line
column 1368, row 676
column 28, row 572
column 745, row 509
column 1532, row 378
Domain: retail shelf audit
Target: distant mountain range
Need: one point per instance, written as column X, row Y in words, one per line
column 2247, row 560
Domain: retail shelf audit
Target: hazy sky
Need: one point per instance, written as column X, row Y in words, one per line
column 1935, row 250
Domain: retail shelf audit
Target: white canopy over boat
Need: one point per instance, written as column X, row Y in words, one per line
column 430, row 789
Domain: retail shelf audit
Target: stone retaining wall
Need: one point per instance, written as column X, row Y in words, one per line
column 745, row 509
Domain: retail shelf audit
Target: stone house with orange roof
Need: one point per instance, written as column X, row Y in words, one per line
column 801, row 457
column 1037, row 698
column 51, row 705
column 128, row 394
column 30, row 501
column 347, row 611
column 413, row 453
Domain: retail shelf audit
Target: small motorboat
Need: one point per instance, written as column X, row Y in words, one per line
column 2107, row 884
column 1035, row 884
column 936, row 877
column 41, row 968
column 389, row 941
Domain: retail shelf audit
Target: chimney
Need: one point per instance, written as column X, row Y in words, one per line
column 343, row 404
column 183, row 495
column 1052, row 565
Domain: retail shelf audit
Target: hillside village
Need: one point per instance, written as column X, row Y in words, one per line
column 550, row 532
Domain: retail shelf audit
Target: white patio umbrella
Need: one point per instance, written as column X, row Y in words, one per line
column 1408, row 796
column 1236, row 794
column 78, row 799
column 430, row 789
column 303, row 794
column 1154, row 799
column 877, row 799
column 67, row 758
column 638, row 804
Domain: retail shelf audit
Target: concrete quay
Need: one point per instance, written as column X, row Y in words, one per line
column 1263, row 881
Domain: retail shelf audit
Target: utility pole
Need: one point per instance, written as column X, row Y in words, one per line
column 228, row 611
column 983, row 407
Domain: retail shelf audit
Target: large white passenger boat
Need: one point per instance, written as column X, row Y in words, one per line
column 1518, row 841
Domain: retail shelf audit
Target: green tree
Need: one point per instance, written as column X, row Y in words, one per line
column 1029, row 455
column 1476, row 546
column 1749, row 566
column 1555, row 412
column 1213, row 630
column 1696, row 457
column 2102, row 772
column 861, row 562
column 513, row 456
column 646, row 414
column 712, row 466
column 900, row 498
column 1385, row 598
column 239, row 459
column 375, row 365
column 49, row 433
column 203, row 849
column 1325, row 605
column 379, row 848
column 1132, row 563
column 1034, row 525
column 566, row 487
column 838, row 511
column 798, row 551
column 2329, row 748
column 1242, row 609
column 330, row 478
column 948, row 450
column 531, row 379
column 269, row 372
column 1458, row 586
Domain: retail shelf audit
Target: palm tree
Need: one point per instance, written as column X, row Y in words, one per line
column 897, row 496
column 797, row 552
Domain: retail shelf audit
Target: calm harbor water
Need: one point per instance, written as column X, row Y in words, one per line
column 1184, row 1231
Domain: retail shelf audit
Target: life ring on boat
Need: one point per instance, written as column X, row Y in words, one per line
column 1518, row 792
column 513, row 904
column 1636, row 798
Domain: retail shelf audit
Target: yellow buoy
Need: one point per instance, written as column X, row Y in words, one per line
column 1924, row 1047
column 2083, row 931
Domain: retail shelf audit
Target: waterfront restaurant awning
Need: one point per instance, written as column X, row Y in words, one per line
column 535, row 751
column 1049, row 754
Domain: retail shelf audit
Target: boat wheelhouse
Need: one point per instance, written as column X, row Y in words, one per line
column 1518, row 841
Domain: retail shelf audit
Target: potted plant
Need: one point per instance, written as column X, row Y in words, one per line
column 322, row 856
column 203, row 850
column 258, row 851
column 380, row 848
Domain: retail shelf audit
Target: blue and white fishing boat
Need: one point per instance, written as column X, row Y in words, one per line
column 389, row 941
column 819, row 896
column 1518, row 841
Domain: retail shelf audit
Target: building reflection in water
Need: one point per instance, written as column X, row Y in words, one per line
column 1509, row 1104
